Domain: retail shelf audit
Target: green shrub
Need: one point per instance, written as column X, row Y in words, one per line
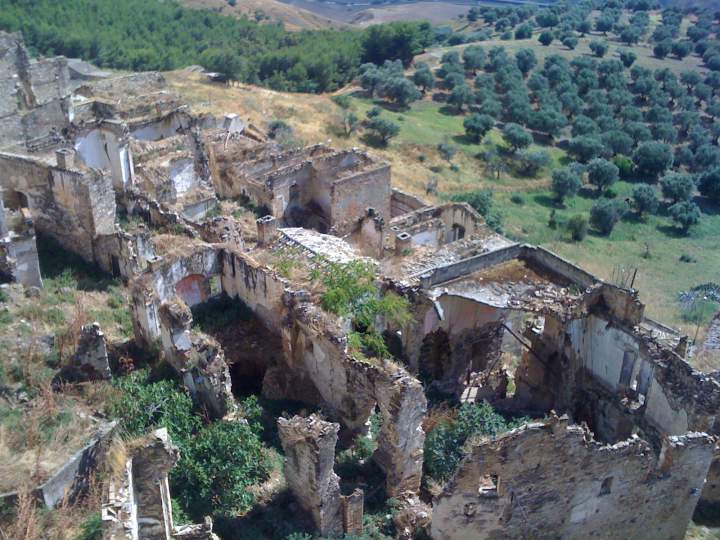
column 381, row 130
column 444, row 445
column 91, row 528
column 143, row 405
column 374, row 112
column 624, row 165
column 700, row 312
column 481, row 200
column 343, row 101
column 218, row 462
column 351, row 291
column 610, row 193
column 605, row 214
column 278, row 129
column 217, row 467
column 577, row 226
column 685, row 214
column 517, row 199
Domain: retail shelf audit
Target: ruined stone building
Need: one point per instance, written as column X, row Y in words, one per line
column 121, row 172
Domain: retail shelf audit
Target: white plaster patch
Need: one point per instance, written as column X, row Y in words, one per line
column 183, row 176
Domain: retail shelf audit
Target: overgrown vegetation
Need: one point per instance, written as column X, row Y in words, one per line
column 351, row 291
column 219, row 462
column 445, row 442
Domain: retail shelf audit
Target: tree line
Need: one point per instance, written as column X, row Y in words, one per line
column 143, row 35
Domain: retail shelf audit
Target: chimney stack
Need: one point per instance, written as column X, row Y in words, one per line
column 267, row 230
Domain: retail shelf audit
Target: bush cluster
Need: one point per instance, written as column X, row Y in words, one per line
column 351, row 290
column 445, row 444
column 218, row 462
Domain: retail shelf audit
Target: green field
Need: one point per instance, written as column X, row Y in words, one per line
column 651, row 245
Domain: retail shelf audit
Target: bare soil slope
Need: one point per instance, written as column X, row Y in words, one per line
column 294, row 18
column 435, row 12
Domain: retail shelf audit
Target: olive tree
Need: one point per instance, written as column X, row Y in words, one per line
column 602, row 173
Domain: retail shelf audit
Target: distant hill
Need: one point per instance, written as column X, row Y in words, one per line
column 293, row 17
column 435, row 12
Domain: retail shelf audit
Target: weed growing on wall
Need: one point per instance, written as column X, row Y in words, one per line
column 351, row 291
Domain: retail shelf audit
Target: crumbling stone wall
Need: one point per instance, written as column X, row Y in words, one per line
column 352, row 196
column 91, row 356
column 132, row 84
column 402, row 404
column 316, row 186
column 261, row 290
column 150, row 468
column 316, row 352
column 124, row 254
column 34, row 94
column 105, row 145
column 159, row 285
column 403, row 203
column 137, row 501
column 198, row 359
column 19, row 260
column 648, row 385
column 71, row 206
column 309, row 445
column 439, row 225
column 471, row 332
column 552, row 479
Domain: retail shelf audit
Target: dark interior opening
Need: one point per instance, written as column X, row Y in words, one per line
column 434, row 356
column 249, row 347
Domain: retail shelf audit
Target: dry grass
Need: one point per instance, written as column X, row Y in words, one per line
column 706, row 361
column 169, row 245
column 293, row 17
column 315, row 119
column 67, row 341
column 435, row 12
column 116, row 459
column 26, row 525
column 437, row 415
column 37, row 439
column 28, row 520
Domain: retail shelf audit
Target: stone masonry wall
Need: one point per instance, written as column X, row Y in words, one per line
column 352, row 196
column 71, row 206
column 309, row 445
column 552, row 480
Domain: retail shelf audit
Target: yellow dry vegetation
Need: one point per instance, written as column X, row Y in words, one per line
column 293, row 17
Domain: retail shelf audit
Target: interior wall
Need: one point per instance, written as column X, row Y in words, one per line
column 162, row 129
column 92, row 148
